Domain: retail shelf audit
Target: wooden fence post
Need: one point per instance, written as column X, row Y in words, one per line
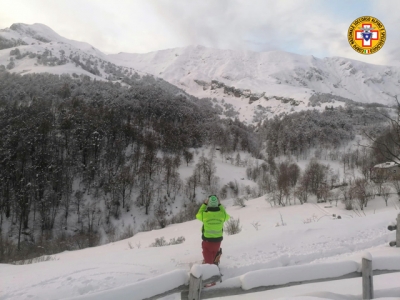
column 398, row 231
column 195, row 285
column 367, row 279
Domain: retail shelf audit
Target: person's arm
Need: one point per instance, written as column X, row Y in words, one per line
column 203, row 207
column 227, row 216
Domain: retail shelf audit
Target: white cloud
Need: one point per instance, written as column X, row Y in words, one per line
column 302, row 26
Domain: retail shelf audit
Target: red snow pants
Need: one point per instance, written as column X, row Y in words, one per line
column 210, row 251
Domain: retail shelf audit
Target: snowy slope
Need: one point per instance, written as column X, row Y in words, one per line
column 310, row 236
column 39, row 38
column 274, row 73
column 125, row 264
column 37, row 33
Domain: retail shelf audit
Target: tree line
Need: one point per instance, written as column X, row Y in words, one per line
column 295, row 134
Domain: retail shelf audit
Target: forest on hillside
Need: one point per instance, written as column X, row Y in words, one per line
column 76, row 154
column 295, row 134
column 63, row 138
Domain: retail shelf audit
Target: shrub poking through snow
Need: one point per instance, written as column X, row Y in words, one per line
column 239, row 201
column 314, row 218
column 176, row 241
column 160, row 242
column 233, row 226
column 35, row 260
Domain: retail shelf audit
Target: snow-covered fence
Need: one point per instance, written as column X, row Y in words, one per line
column 286, row 275
column 199, row 276
column 190, row 285
column 397, row 228
column 160, row 286
column 261, row 280
column 367, row 277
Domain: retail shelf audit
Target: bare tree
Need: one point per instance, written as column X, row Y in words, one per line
column 395, row 181
column 362, row 191
column 169, row 170
column 90, row 215
column 283, row 182
column 348, row 196
column 145, row 197
column 315, row 176
column 78, row 200
column 67, row 179
column 176, row 185
column 191, row 184
column 323, row 193
column 124, row 181
column 381, row 176
column 160, row 213
column 266, row 183
column 206, row 168
column 385, row 192
column 302, row 193
column 188, row 156
column 238, row 159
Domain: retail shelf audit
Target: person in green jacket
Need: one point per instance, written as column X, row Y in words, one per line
column 213, row 216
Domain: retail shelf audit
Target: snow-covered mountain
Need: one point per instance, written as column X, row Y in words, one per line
column 273, row 73
column 245, row 84
column 40, row 33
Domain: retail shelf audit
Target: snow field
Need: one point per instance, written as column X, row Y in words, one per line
column 117, row 265
column 144, row 289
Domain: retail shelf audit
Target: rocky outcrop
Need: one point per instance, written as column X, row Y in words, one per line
column 215, row 84
column 204, row 84
column 245, row 93
column 255, row 97
column 291, row 101
column 228, row 90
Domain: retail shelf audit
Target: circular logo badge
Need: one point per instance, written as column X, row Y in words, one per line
column 366, row 35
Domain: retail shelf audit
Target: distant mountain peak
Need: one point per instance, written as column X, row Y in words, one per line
column 36, row 31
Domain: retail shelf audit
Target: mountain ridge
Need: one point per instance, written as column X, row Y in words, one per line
column 243, row 79
column 263, row 71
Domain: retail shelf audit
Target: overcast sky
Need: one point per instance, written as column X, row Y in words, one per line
column 310, row 27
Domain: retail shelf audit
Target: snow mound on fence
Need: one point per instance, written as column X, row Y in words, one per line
column 206, row 271
column 280, row 276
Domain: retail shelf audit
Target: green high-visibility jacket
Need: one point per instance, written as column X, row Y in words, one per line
column 213, row 219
